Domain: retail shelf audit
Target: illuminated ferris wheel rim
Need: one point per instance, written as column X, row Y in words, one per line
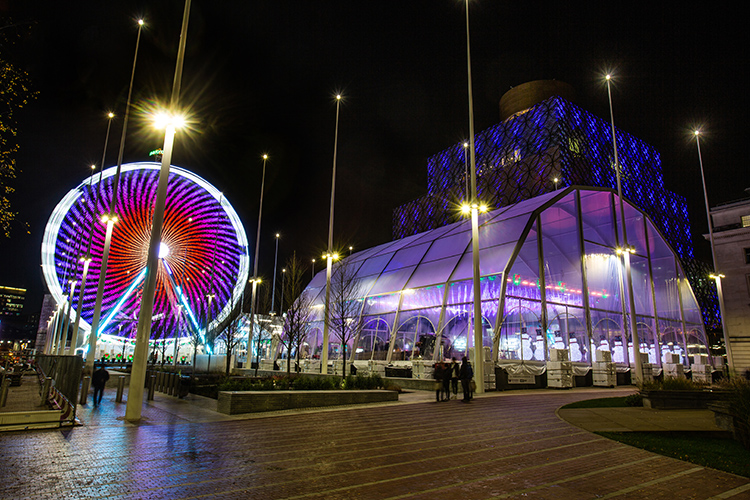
column 52, row 231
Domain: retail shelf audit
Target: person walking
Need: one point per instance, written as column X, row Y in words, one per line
column 99, row 380
column 466, row 374
column 455, row 374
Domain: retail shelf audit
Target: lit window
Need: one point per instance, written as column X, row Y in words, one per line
column 746, row 221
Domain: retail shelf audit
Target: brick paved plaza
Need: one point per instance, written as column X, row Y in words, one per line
column 499, row 446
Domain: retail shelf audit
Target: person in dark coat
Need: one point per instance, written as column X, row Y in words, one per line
column 446, row 382
column 98, row 381
column 437, row 374
column 455, row 375
column 466, row 374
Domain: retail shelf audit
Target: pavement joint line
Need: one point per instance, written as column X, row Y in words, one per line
column 574, row 478
column 479, row 439
column 435, row 471
column 358, row 471
column 261, row 465
column 438, row 439
column 732, row 492
column 509, row 473
column 651, row 483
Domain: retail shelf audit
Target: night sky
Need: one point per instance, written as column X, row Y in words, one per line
column 261, row 75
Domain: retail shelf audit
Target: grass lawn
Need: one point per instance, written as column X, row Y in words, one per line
column 617, row 402
column 722, row 454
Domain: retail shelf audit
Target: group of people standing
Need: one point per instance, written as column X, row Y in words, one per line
column 446, row 377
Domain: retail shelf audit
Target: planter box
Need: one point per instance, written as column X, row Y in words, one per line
column 236, row 402
column 729, row 422
column 680, row 400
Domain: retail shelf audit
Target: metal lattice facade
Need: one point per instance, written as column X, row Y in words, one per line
column 519, row 158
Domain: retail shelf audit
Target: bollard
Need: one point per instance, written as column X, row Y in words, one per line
column 45, row 389
column 148, row 377
column 4, row 392
column 157, row 383
column 151, row 384
column 172, row 384
column 160, row 381
column 120, row 388
column 85, row 389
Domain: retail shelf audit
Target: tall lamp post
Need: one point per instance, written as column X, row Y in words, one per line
column 110, row 219
column 626, row 249
column 275, row 262
column 143, row 332
column 473, row 206
column 717, row 276
column 254, row 279
column 330, row 256
column 86, row 259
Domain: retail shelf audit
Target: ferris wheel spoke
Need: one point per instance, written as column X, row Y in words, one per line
column 137, row 281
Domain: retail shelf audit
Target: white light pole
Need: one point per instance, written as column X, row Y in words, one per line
column 627, row 249
column 474, row 208
column 275, row 262
column 313, row 269
column 281, row 301
column 717, row 276
column 143, row 332
column 87, row 258
column 254, row 279
column 329, row 256
column 110, row 219
column 466, row 171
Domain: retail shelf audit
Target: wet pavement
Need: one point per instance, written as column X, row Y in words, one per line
column 501, row 445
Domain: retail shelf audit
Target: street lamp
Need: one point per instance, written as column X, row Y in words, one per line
column 112, row 218
column 329, row 254
column 350, row 249
column 87, row 258
column 629, row 249
column 275, row 262
column 555, row 180
column 255, row 279
column 466, row 170
column 474, row 209
column 281, row 301
column 313, row 269
column 143, row 332
column 716, row 275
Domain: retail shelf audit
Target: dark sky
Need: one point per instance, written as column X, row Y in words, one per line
column 260, row 76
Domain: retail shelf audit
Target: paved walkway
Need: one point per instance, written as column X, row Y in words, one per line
column 501, row 445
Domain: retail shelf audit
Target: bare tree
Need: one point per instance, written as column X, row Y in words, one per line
column 264, row 324
column 299, row 313
column 230, row 338
column 345, row 307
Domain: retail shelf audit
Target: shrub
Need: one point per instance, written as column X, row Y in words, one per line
column 362, row 382
column 672, row 384
column 634, row 400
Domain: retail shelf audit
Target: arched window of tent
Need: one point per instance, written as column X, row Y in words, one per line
column 315, row 342
column 518, row 330
column 607, row 335
column 374, row 340
column 696, row 342
column 568, row 332
column 671, row 341
column 414, row 338
column 645, row 336
column 454, row 338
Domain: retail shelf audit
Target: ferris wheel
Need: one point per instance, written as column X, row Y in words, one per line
column 203, row 255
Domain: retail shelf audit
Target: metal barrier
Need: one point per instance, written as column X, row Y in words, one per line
column 120, row 388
